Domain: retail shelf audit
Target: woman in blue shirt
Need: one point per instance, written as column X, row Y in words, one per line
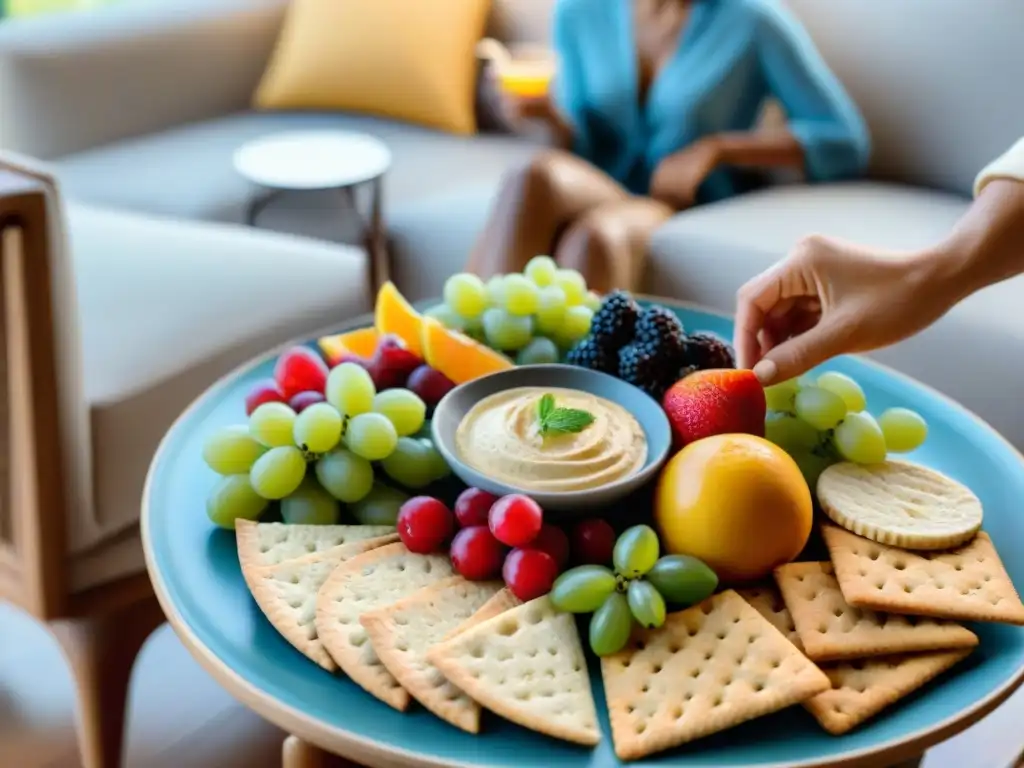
column 654, row 106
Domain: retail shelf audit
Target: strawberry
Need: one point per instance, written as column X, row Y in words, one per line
column 715, row 402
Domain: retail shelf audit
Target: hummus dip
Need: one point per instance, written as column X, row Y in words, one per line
column 500, row 437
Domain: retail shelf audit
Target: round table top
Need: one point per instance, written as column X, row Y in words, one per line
column 195, row 572
column 312, row 159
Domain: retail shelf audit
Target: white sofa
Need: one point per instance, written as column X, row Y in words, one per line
column 166, row 87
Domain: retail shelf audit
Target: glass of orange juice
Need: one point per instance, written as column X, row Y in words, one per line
column 522, row 70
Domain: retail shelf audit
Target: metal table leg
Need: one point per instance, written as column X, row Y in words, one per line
column 374, row 234
column 257, row 204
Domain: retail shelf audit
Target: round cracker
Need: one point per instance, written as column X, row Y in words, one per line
column 900, row 504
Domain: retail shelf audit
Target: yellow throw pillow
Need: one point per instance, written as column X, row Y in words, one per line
column 411, row 60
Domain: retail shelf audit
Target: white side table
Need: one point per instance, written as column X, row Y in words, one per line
column 321, row 160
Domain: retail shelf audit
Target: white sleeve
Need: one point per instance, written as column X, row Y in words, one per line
column 1007, row 166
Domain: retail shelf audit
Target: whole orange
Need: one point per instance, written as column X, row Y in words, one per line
column 737, row 502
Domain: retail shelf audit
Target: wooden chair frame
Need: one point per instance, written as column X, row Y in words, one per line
column 100, row 631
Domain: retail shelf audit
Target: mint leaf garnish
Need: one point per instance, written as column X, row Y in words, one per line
column 561, row 421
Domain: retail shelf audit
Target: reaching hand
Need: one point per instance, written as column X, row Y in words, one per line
column 829, row 298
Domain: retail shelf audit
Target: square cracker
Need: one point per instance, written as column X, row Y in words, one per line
column 403, row 632
column 271, row 543
column 502, row 601
column 708, row 668
column 527, row 665
column 830, row 629
column 767, row 600
column 968, row 583
column 286, row 593
column 859, row 689
column 365, row 583
column 862, row 689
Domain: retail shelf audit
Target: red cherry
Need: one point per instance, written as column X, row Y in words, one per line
column 592, row 542
column 392, row 363
column 303, row 400
column 553, row 540
column 263, row 391
column 424, row 524
column 300, row 369
column 515, row 519
column 472, row 506
column 529, row 573
column 429, row 384
column 476, row 554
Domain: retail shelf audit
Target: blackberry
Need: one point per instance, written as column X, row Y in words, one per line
column 615, row 321
column 707, row 351
column 644, row 367
column 591, row 354
column 658, row 324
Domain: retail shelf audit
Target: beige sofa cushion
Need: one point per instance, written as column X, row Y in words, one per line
column 167, row 307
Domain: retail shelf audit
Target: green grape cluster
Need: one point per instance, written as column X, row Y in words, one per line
column 534, row 316
column 822, row 420
column 316, row 460
column 636, row 590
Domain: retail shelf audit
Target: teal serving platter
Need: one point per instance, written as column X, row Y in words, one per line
column 195, row 571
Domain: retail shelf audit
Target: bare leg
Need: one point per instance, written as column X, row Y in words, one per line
column 101, row 651
column 535, row 203
column 608, row 243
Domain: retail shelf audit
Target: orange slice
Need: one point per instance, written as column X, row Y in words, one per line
column 394, row 315
column 362, row 343
column 457, row 356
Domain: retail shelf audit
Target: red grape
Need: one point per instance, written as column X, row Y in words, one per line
column 529, row 573
column 424, row 524
column 429, row 384
column 515, row 519
column 592, row 542
column 391, row 363
column 263, row 391
column 553, row 540
column 472, row 506
column 300, row 369
column 476, row 554
column 303, row 400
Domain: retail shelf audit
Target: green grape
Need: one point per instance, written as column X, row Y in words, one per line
column 541, row 270
column 811, row 465
column 439, row 468
column 495, row 291
column 859, row 439
column 790, row 433
column 318, row 428
column 636, row 551
column 819, row 407
column 682, row 579
column 272, row 425
column 278, row 472
column 410, row 464
column 344, row 475
column 779, row 397
column 475, row 329
column 371, row 435
column 903, row 429
column 507, row 332
column 310, row 505
column 520, row 294
column 592, row 301
column 232, row 450
column 233, row 498
column 646, row 604
column 611, row 625
column 846, row 388
column 807, row 380
column 538, row 352
column 551, row 308
column 380, row 507
column 582, row 589
column 572, row 282
column 465, row 293
column 575, row 325
column 447, row 317
column 403, row 408
column 350, row 389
